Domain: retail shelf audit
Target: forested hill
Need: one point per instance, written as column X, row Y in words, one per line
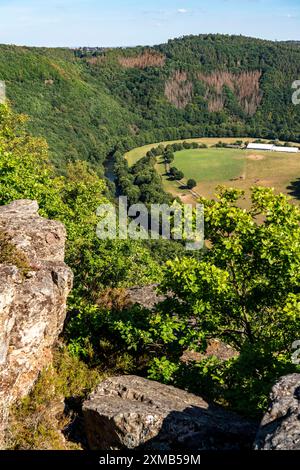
column 90, row 102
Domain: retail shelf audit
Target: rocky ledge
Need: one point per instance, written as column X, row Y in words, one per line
column 32, row 300
column 130, row 412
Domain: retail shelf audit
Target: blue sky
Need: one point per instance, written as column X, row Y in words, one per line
column 119, row 23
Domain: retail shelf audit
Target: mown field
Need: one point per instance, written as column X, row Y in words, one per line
column 134, row 155
column 230, row 167
column 234, row 168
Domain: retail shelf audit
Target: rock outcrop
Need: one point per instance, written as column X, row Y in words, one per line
column 32, row 304
column 280, row 427
column 130, row 412
column 145, row 296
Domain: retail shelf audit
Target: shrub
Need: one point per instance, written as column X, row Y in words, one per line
column 11, row 255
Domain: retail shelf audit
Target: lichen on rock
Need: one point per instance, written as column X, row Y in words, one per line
column 280, row 427
column 130, row 412
column 32, row 304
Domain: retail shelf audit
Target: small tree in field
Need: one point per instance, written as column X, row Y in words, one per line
column 169, row 158
column 243, row 289
column 191, row 183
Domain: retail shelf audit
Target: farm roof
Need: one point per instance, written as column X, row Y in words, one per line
column 271, row 147
column 253, row 146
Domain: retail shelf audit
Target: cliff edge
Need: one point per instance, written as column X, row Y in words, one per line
column 34, row 285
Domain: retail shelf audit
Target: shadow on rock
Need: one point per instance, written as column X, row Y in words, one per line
column 130, row 412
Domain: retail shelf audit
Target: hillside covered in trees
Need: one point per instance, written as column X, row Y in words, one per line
column 91, row 102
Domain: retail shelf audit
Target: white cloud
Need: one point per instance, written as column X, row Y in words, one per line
column 182, row 10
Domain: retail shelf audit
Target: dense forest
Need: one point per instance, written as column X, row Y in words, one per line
column 242, row 289
column 91, row 102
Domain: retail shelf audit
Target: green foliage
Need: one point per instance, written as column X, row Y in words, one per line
column 242, row 383
column 191, row 183
column 74, row 111
column 25, row 173
column 168, row 156
column 246, row 287
column 176, row 174
column 243, row 289
column 141, row 182
column 73, row 199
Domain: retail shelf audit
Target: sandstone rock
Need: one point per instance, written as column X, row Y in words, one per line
column 130, row 412
column 145, row 296
column 215, row 348
column 32, row 307
column 280, row 427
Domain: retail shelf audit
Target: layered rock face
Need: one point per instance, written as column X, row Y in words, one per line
column 130, row 412
column 280, row 427
column 32, row 305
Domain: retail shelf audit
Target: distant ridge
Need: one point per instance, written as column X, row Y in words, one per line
column 91, row 102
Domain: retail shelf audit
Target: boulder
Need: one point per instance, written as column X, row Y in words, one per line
column 130, row 412
column 145, row 296
column 280, row 427
column 32, row 303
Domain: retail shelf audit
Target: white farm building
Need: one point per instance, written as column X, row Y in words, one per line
column 272, row 148
column 285, row 149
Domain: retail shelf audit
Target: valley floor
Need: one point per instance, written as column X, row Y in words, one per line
column 237, row 168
